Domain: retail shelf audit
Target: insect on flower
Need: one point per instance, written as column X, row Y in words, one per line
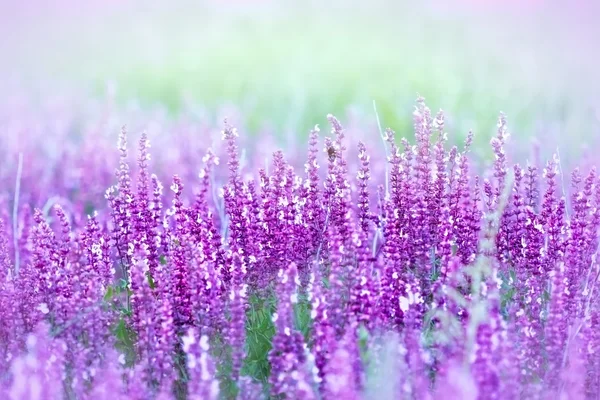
column 331, row 153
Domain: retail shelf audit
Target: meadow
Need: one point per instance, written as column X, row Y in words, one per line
column 262, row 200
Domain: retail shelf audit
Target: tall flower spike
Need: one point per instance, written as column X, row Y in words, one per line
column 315, row 216
column 201, row 206
column 180, row 275
column 6, row 267
column 234, row 197
column 157, row 206
column 143, row 305
column 421, row 219
column 144, row 220
column 165, row 342
column 46, row 263
column 396, row 212
column 549, row 200
column 363, row 177
column 500, row 163
column 230, row 135
column 323, row 337
column 123, row 203
column 236, row 333
column 484, row 368
column 8, row 319
column 38, row 373
column 338, row 170
column 202, row 384
column 66, row 232
column 438, row 205
column 287, row 355
column 578, row 252
column 531, row 188
column 340, row 377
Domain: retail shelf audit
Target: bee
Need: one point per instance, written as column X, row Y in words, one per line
column 331, row 153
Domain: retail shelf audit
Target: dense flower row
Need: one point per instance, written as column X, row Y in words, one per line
column 422, row 280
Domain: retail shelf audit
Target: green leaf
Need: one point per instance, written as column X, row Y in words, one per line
column 110, row 292
column 125, row 340
column 123, row 333
column 454, row 249
column 151, row 281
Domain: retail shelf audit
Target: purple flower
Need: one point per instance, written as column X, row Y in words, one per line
column 201, row 369
column 486, row 279
column 38, row 373
column 287, row 357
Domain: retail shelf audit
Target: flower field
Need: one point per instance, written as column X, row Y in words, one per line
column 347, row 270
column 172, row 228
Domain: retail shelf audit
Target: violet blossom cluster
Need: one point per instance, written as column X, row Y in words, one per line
column 256, row 279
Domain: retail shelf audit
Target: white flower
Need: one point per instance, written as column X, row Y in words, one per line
column 43, row 307
column 188, row 340
column 404, row 303
column 204, row 343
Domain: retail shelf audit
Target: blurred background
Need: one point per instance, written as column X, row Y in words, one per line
column 284, row 65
